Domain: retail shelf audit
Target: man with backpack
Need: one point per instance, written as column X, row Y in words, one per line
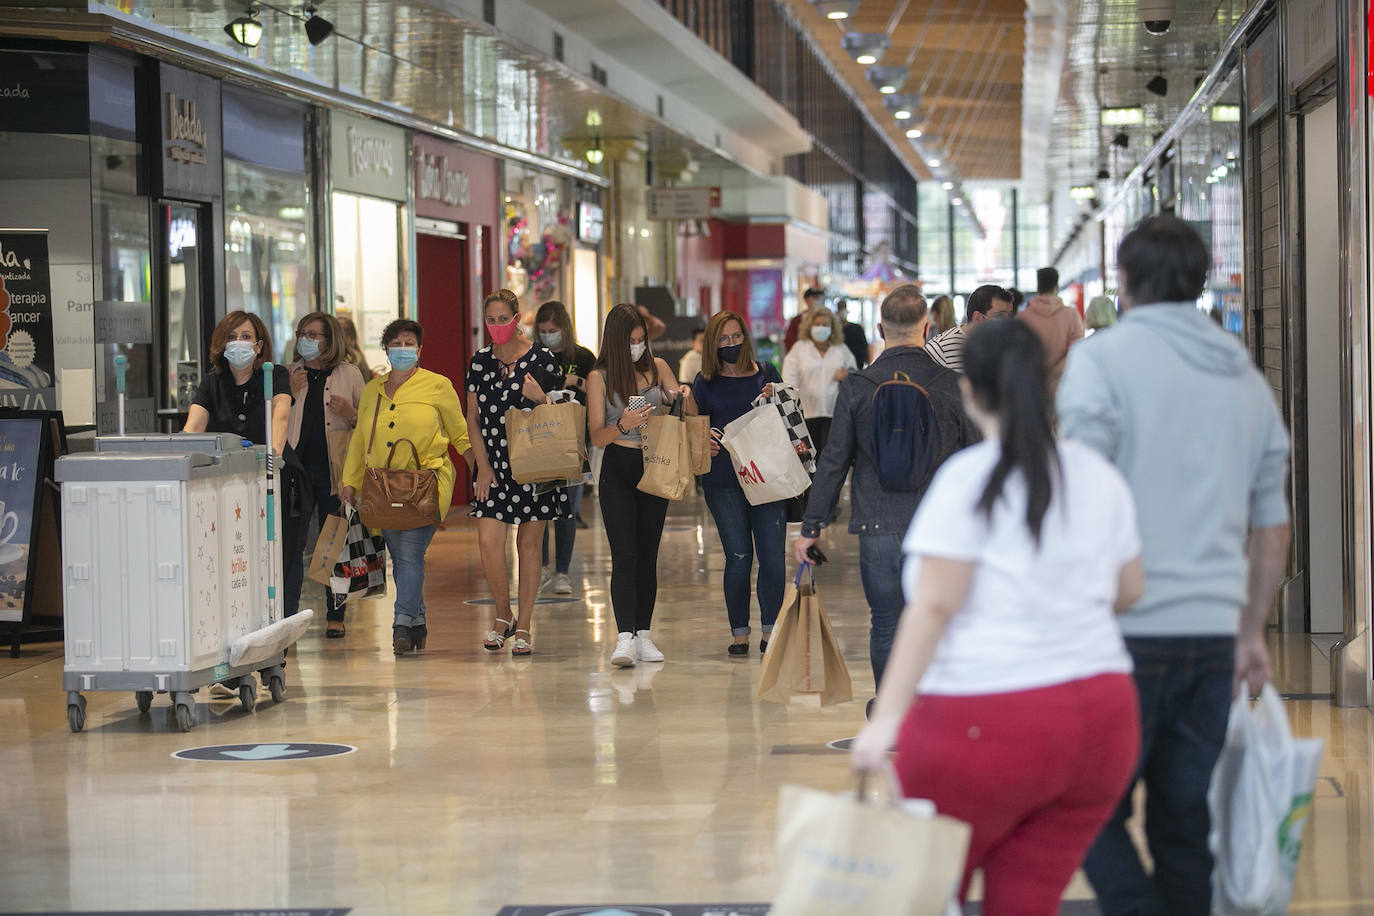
column 894, row 424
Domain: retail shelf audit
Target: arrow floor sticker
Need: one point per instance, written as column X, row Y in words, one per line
column 238, row 753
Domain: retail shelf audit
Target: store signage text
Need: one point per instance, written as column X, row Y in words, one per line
column 367, row 154
column 682, row 203
column 439, row 182
column 183, row 125
column 17, row 91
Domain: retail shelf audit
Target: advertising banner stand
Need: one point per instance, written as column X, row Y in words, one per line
column 30, row 545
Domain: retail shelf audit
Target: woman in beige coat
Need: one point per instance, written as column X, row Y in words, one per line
column 326, row 389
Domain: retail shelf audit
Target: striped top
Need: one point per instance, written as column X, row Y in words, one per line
column 947, row 349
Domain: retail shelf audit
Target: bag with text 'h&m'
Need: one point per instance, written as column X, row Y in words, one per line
column 361, row 570
column 766, row 462
column 546, row 443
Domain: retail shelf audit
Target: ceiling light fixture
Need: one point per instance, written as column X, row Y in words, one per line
column 947, row 185
column 933, row 163
column 866, row 48
column 1083, row 192
column 957, row 201
column 595, row 154
column 903, row 105
column 913, row 133
column 887, row 80
column 1121, row 117
column 246, row 30
column 1226, row 114
column 317, row 28
column 1158, row 85
column 836, row 9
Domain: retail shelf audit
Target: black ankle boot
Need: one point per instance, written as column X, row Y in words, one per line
column 401, row 640
column 418, row 635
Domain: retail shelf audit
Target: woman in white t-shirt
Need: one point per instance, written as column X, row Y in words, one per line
column 1024, row 722
column 815, row 366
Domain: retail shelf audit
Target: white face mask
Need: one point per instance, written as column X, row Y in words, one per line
column 820, row 333
column 636, row 351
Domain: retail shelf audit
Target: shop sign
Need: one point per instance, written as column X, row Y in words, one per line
column 43, row 93
column 434, row 180
column 682, row 203
column 591, row 223
column 27, row 372
column 453, row 183
column 190, row 120
column 1262, row 74
column 1313, row 37
column 368, row 157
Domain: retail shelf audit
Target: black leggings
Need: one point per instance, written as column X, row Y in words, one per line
column 634, row 526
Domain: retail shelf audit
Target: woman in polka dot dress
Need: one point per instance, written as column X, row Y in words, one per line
column 510, row 373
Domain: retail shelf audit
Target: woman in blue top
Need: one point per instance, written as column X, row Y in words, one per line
column 729, row 381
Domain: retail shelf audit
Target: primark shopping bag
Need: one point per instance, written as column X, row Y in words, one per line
column 1259, row 799
column 546, row 443
column 329, row 548
column 766, row 463
column 361, row 570
column 844, row 854
column 803, row 655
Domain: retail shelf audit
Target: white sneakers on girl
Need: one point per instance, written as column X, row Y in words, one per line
column 624, row 654
column 648, row 652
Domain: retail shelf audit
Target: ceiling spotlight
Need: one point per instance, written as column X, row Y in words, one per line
column 1083, row 192
column 903, row 105
column 957, row 201
column 1159, row 86
column 1121, row 140
column 913, row 133
column 887, row 79
column 866, row 48
column 596, row 154
column 317, row 28
column 933, row 163
column 1120, row 117
column 246, row 30
column 836, row 9
column 947, row 185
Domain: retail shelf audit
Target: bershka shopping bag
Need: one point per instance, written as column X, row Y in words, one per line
column 667, row 457
column 361, row 570
column 788, row 404
column 328, row 549
column 842, row 854
column 1259, row 799
column 803, row 655
column 766, row 463
column 546, row 443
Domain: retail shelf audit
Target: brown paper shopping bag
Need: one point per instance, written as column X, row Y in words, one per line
column 699, row 443
column 546, row 443
column 841, row 854
column 667, row 458
column 328, row 549
column 803, row 655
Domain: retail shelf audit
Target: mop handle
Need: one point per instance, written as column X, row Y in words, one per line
column 271, row 485
column 121, row 362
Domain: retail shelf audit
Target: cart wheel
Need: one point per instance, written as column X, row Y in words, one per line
column 277, row 685
column 144, row 699
column 248, row 695
column 76, row 717
column 186, row 717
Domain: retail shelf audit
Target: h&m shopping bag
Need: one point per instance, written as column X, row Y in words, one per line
column 328, row 548
column 842, row 854
column 667, row 458
column 765, row 461
column 1259, row 799
column 788, row 404
column 803, row 655
column 546, row 443
column 361, row 570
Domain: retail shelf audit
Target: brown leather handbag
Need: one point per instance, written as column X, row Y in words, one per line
column 398, row 499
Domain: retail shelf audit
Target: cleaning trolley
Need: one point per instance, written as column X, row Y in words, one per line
column 170, row 568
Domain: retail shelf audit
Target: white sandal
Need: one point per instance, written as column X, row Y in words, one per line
column 494, row 640
column 523, row 646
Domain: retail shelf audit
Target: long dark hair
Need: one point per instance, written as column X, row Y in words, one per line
column 614, row 360
column 1005, row 365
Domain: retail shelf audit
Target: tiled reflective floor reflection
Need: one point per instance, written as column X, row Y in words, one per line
column 482, row 780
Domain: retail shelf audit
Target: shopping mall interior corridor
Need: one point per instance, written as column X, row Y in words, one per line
column 481, row 780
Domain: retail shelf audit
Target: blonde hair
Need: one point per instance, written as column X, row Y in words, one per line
column 820, row 313
column 942, row 314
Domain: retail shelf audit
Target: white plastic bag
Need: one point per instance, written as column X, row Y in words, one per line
column 765, row 460
column 1259, row 799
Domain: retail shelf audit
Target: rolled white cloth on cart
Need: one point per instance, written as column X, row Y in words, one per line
column 260, row 645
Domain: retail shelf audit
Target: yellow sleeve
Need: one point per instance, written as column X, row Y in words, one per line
column 356, row 459
column 451, row 416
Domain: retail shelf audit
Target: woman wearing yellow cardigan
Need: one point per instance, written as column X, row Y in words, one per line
column 419, row 405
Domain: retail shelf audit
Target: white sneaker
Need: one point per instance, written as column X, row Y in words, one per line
column 562, row 585
column 624, row 654
column 648, row 652
column 545, row 579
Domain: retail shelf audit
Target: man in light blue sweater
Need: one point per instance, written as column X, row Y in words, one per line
column 1174, row 402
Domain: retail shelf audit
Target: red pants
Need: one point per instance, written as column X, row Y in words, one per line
column 1036, row 773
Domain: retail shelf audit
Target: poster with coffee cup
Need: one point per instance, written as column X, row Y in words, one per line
column 21, row 453
column 27, row 370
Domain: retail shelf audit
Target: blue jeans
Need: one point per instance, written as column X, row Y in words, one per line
column 326, row 504
column 747, row 530
column 407, row 549
column 1184, row 685
column 564, row 532
column 880, row 570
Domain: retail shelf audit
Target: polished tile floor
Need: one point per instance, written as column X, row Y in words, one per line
column 481, row 780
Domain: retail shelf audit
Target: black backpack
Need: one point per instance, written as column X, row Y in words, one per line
column 901, row 432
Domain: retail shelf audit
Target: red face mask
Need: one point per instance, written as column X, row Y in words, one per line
column 502, row 333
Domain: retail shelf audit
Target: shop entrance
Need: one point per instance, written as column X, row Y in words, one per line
column 442, row 269
column 184, row 304
column 369, row 269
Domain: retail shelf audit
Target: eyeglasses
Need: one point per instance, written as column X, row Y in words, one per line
column 310, row 335
column 729, row 340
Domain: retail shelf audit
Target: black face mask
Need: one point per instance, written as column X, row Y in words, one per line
column 730, row 355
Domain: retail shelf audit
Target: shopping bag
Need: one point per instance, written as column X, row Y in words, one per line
column 699, row 443
column 788, row 404
column 765, row 462
column 1259, row 799
column 842, row 854
column 803, row 655
column 546, row 443
column 361, row 570
column 328, row 548
column 667, row 458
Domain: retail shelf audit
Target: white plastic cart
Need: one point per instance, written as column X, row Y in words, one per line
column 167, row 564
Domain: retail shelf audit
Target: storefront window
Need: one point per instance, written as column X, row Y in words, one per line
column 932, row 210
column 539, row 226
column 367, row 267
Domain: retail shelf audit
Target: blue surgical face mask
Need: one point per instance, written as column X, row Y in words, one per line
column 820, row 333
column 240, row 353
column 308, row 348
column 403, row 359
column 551, row 339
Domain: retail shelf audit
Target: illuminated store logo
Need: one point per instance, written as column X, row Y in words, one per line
column 439, row 182
column 17, row 91
column 184, row 126
column 372, row 155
